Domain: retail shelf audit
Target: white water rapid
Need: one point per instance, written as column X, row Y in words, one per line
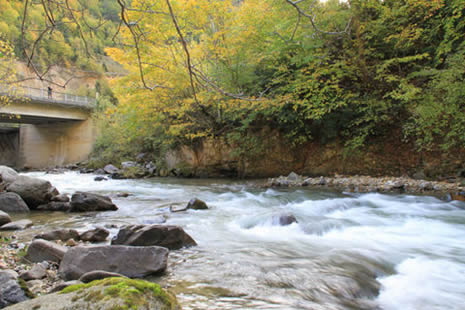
column 367, row 251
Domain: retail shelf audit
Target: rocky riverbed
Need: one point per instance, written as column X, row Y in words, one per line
column 238, row 245
column 56, row 259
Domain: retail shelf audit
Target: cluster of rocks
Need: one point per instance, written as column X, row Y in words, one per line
column 21, row 194
column 128, row 170
column 139, row 168
column 49, row 265
column 455, row 190
column 57, row 259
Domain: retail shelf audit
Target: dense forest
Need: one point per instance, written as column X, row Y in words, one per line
column 74, row 33
column 242, row 71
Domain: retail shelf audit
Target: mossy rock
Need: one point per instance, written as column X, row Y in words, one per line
column 106, row 294
column 134, row 172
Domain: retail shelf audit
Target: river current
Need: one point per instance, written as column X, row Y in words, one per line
column 347, row 251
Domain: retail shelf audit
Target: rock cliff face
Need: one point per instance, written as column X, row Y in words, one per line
column 217, row 158
column 73, row 79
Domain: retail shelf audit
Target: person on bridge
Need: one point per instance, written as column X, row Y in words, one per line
column 49, row 92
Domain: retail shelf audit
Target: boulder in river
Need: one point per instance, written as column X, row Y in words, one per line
column 84, row 202
column 10, row 291
column 55, row 206
column 12, row 202
column 196, row 204
column 133, row 262
column 95, row 235
column 284, row 219
column 168, row 236
column 42, row 250
column 4, row 218
column 60, row 234
column 7, row 174
column 110, row 293
column 60, row 198
column 100, row 178
column 34, row 191
column 17, row 225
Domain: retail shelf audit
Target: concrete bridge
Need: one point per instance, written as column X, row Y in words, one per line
column 40, row 128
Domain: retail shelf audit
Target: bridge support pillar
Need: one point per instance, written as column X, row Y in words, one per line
column 55, row 144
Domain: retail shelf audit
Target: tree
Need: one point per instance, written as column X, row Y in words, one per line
column 7, row 72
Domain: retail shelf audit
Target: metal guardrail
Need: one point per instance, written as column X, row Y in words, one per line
column 49, row 95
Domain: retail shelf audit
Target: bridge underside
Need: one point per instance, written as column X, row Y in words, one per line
column 37, row 135
column 31, row 119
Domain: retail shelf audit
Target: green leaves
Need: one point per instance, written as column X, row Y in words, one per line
column 399, row 68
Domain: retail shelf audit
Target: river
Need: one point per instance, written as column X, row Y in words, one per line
column 347, row 251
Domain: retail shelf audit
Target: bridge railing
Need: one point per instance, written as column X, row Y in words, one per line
column 49, row 95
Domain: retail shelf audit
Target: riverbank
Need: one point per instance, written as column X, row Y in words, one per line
column 453, row 189
column 43, row 261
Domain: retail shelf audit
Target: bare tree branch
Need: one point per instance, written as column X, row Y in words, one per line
column 311, row 16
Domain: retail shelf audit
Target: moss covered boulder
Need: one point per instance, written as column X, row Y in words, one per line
column 107, row 294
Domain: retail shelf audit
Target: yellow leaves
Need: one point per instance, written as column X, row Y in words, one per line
column 7, row 72
column 226, row 42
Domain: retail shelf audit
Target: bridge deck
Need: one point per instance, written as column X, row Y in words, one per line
column 48, row 96
column 28, row 105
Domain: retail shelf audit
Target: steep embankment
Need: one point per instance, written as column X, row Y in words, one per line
column 389, row 157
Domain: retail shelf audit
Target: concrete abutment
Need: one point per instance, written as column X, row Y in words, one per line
column 55, row 144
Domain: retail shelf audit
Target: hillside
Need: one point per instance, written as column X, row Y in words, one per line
column 357, row 74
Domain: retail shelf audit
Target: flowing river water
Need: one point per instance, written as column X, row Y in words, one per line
column 347, row 251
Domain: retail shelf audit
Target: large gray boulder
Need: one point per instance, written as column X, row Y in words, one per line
column 168, row 236
column 133, row 262
column 106, row 294
column 10, row 291
column 84, row 202
column 4, row 218
column 34, row 191
column 17, row 225
column 8, row 174
column 42, row 250
column 59, row 234
column 12, row 202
